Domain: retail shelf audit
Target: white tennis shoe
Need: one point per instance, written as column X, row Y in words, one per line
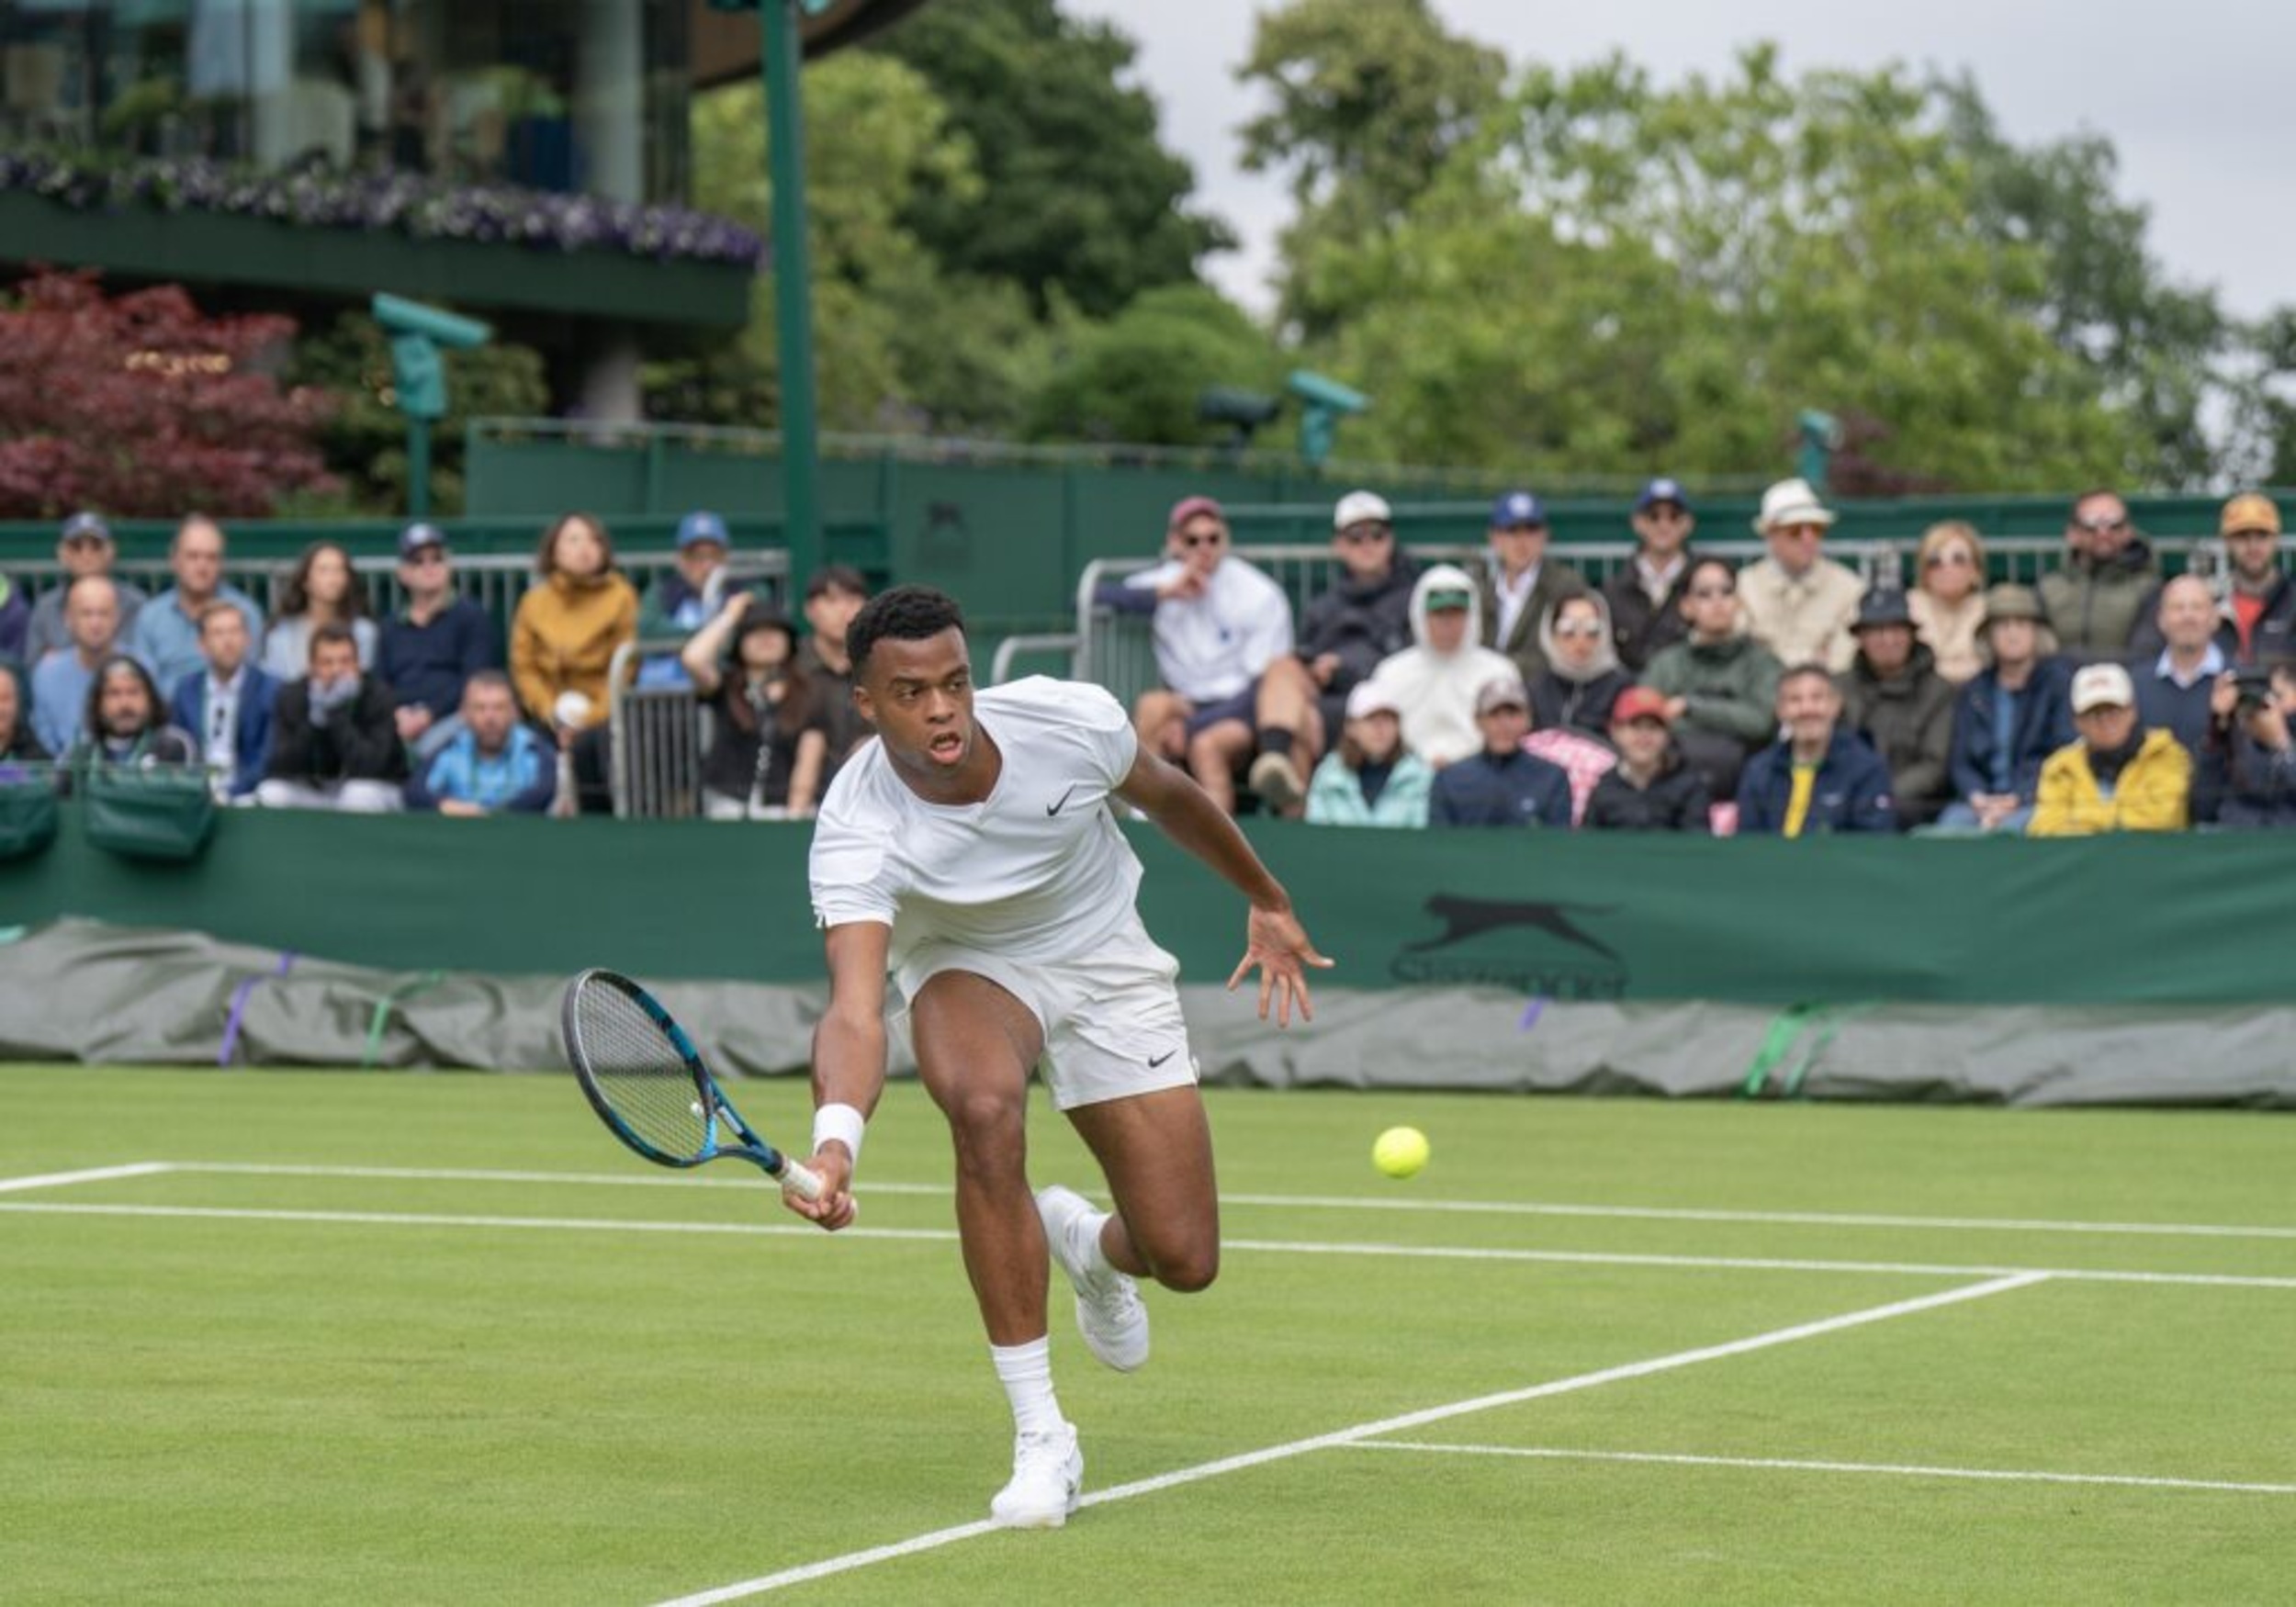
column 1048, row 1479
column 1109, row 1310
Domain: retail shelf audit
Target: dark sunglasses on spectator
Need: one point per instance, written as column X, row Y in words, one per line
column 2102, row 526
column 1703, row 592
column 429, row 554
column 1203, row 538
column 1357, row 534
column 1951, row 556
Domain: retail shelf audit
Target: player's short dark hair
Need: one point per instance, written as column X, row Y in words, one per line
column 906, row 613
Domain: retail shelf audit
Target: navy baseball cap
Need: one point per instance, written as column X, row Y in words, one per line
column 702, row 525
column 417, row 536
column 86, row 524
column 1662, row 490
column 1516, row 510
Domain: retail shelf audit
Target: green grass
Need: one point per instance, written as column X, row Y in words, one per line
column 414, row 1399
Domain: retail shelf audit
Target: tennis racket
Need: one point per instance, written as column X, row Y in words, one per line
column 646, row 1081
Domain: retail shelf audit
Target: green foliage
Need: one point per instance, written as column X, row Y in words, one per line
column 1619, row 276
column 1370, row 98
column 1138, row 377
column 365, row 442
column 1077, row 190
column 900, row 343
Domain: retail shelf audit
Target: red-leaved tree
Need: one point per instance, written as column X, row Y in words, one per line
column 138, row 405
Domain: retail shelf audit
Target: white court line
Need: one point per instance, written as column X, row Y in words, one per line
column 1796, row 1465
column 1266, row 1246
column 1380, row 1202
column 1736, row 1347
column 92, row 1174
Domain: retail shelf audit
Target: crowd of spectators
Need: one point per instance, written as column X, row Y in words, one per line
column 329, row 706
column 1785, row 698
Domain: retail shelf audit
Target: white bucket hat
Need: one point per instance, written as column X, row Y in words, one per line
column 1792, row 503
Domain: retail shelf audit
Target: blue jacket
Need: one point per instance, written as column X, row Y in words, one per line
column 251, row 736
column 2044, row 723
column 1510, row 788
column 1851, row 793
column 521, row 780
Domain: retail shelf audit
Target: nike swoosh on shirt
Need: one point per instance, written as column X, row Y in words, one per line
column 1055, row 808
column 1159, row 1060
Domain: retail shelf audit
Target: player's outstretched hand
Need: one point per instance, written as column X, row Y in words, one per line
column 1275, row 942
column 835, row 1209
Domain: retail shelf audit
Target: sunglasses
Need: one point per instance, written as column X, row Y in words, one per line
column 1808, row 531
column 1203, row 538
column 426, row 557
column 1952, row 557
column 1584, row 628
column 2101, row 526
column 1361, row 535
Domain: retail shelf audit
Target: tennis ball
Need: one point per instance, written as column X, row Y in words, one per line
column 1400, row 1152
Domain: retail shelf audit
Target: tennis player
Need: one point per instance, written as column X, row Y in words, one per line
column 972, row 852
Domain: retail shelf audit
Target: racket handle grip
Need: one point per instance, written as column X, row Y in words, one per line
column 800, row 1180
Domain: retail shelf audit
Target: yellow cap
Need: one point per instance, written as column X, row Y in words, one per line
column 2249, row 510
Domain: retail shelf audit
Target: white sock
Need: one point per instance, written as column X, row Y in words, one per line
column 1100, row 1262
column 1026, row 1371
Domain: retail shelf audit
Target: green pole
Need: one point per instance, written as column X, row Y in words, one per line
column 793, row 284
column 418, row 468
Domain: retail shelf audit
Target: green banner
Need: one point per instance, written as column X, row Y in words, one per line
column 2127, row 920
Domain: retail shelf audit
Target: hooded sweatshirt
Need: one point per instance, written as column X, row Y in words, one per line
column 1434, row 693
column 1572, row 697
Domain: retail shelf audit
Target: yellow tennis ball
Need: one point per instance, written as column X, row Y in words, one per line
column 1400, row 1152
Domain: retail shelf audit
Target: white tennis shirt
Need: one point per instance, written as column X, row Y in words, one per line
column 1035, row 871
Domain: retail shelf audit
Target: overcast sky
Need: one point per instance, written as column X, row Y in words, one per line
column 2188, row 93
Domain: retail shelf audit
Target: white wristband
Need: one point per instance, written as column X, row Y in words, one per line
column 842, row 1122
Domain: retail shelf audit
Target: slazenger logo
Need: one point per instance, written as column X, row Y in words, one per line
column 1539, row 947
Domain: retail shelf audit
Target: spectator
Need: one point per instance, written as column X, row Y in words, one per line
column 85, row 547
column 2095, row 600
column 2248, row 764
column 766, row 761
column 1646, row 597
column 493, row 764
column 1649, row 789
column 320, row 590
column 1371, row 779
column 2009, row 720
column 1721, row 687
column 1948, row 601
column 18, row 744
column 1519, row 585
column 1797, row 604
column 124, row 724
column 2118, row 776
column 1502, row 785
column 334, row 743
column 1433, row 684
column 1219, row 623
column 166, row 633
column 1583, row 677
column 1818, row 777
column 688, row 597
column 61, row 679
column 2263, row 602
column 226, row 706
column 430, row 649
column 1343, row 634
column 563, row 639
column 1893, row 697
column 2173, row 689
column 834, row 594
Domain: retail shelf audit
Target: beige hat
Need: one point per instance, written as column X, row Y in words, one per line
column 1370, row 698
column 1792, row 503
column 2249, row 510
column 2100, row 686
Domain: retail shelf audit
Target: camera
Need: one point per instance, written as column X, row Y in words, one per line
column 2253, row 687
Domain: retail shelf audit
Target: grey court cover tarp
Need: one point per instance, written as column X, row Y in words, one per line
column 86, row 991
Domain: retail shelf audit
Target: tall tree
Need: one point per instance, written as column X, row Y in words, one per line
column 1076, row 194
column 1616, row 276
column 1368, row 100
column 1139, row 377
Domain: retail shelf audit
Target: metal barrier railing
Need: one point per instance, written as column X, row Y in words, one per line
column 655, row 736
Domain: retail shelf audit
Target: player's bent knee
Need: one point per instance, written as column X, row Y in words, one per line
column 1184, row 1268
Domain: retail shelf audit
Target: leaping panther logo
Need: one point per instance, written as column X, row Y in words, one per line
column 1472, row 918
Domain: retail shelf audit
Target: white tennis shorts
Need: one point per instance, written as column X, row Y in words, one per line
column 1111, row 1018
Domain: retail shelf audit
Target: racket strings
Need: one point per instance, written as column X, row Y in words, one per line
column 640, row 1074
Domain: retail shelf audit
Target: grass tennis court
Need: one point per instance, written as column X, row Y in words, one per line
column 290, row 1337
